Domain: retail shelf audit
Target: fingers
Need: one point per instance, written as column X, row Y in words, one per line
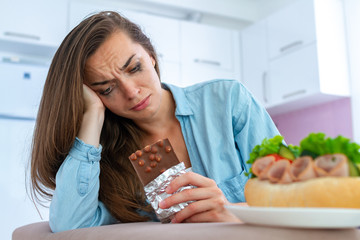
column 212, row 208
column 211, row 216
column 91, row 99
column 206, row 188
column 189, row 178
column 207, row 200
column 205, row 211
column 194, row 194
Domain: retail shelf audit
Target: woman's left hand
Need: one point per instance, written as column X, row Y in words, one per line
column 209, row 201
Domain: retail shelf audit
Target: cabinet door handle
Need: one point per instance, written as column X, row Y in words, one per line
column 264, row 76
column 291, row 45
column 17, row 60
column 301, row 91
column 22, row 35
column 10, row 117
column 210, row 62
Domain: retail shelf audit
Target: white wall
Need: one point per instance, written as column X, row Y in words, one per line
column 352, row 13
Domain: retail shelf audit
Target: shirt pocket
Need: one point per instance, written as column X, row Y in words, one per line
column 233, row 188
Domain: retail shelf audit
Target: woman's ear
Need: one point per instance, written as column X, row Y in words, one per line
column 153, row 61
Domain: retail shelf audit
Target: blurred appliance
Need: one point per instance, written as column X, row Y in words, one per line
column 21, row 85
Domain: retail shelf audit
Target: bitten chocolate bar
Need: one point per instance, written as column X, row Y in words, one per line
column 153, row 160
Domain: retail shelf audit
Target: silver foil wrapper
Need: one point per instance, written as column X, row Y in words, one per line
column 155, row 192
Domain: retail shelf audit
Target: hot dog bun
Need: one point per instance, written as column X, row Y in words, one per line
column 334, row 192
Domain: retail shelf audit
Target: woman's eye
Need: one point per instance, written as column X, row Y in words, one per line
column 135, row 69
column 106, row 91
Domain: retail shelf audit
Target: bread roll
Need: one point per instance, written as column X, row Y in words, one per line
column 334, row 192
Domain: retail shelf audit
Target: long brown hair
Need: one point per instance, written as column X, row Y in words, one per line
column 61, row 112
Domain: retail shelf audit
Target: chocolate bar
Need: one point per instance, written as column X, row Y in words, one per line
column 153, row 160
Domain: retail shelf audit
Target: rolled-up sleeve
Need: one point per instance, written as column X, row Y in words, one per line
column 75, row 201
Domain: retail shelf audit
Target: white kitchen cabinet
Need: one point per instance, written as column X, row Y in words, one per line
column 299, row 75
column 37, row 24
column 255, row 60
column 291, row 28
column 208, row 52
column 315, row 71
column 21, row 86
column 206, row 45
column 293, row 76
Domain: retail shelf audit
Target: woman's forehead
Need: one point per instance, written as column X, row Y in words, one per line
column 118, row 47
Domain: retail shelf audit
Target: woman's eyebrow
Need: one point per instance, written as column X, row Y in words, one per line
column 127, row 63
column 100, row 83
column 122, row 69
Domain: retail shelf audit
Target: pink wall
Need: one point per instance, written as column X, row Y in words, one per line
column 331, row 118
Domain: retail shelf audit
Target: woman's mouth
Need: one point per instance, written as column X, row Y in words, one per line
column 142, row 104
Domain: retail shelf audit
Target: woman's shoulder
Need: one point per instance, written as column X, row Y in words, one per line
column 213, row 91
column 219, row 86
column 213, row 84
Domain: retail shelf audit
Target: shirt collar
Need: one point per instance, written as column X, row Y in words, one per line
column 181, row 101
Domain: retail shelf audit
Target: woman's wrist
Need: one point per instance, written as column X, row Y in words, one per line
column 92, row 123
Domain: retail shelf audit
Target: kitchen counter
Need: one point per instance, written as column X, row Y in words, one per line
column 158, row 231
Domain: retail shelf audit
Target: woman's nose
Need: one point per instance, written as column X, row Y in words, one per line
column 130, row 89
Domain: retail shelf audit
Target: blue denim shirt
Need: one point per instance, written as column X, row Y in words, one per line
column 221, row 122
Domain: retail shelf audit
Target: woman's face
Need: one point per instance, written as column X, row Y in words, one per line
column 122, row 74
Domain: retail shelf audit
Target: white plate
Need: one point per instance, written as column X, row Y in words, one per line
column 298, row 217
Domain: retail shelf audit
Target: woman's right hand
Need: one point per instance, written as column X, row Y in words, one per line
column 91, row 99
column 94, row 114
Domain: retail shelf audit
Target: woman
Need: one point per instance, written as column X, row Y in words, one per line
column 103, row 100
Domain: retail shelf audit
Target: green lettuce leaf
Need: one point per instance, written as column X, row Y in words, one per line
column 270, row 146
column 295, row 150
column 315, row 144
column 318, row 144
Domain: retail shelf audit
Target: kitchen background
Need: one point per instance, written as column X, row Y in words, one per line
column 298, row 58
